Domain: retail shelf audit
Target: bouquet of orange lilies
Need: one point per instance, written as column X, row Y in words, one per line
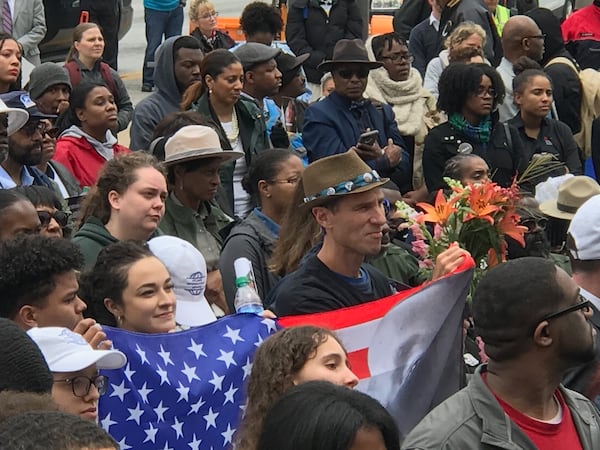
column 476, row 216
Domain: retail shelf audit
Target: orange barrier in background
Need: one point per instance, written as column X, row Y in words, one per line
column 379, row 24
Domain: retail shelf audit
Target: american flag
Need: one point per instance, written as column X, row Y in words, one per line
column 181, row 390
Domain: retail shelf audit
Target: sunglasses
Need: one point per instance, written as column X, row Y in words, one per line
column 346, row 74
column 61, row 217
column 31, row 127
column 533, row 223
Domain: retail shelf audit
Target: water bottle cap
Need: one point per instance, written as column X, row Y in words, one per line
column 242, row 281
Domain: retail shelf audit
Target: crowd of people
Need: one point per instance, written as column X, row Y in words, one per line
column 293, row 155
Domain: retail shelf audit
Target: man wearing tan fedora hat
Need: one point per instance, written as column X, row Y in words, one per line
column 345, row 197
column 336, row 124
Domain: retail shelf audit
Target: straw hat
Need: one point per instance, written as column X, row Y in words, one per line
column 338, row 175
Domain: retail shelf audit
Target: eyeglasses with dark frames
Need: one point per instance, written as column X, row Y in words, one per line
column 81, row 385
column 481, row 91
column 583, row 304
column 397, row 57
column 61, row 217
column 346, row 74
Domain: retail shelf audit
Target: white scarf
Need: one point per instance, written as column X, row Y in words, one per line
column 407, row 98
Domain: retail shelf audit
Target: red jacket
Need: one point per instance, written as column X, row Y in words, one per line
column 81, row 159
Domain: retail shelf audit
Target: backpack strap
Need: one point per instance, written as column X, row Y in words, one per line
column 106, row 74
column 74, row 72
column 562, row 60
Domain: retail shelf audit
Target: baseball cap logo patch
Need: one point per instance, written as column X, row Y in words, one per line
column 26, row 100
column 72, row 338
column 195, row 283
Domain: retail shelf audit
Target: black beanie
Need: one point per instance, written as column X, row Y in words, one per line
column 22, row 365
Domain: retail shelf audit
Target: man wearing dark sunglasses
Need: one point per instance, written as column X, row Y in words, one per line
column 583, row 244
column 24, row 146
column 536, row 326
column 335, row 125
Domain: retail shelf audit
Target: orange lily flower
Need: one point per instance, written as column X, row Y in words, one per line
column 440, row 212
column 479, row 201
column 509, row 226
column 492, row 257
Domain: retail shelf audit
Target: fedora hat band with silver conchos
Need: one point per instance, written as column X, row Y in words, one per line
column 345, row 187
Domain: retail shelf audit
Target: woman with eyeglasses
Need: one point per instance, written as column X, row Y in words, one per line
column 86, row 141
column 466, row 34
column 469, row 95
column 84, row 63
column 400, row 86
column 204, row 17
column 272, row 179
column 533, row 94
column 240, row 124
column 74, row 365
column 194, row 159
column 49, row 210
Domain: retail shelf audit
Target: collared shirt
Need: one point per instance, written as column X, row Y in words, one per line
column 507, row 109
column 591, row 297
column 434, row 22
column 51, row 173
column 270, row 224
column 6, row 182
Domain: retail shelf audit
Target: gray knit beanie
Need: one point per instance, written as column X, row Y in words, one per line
column 22, row 365
column 44, row 77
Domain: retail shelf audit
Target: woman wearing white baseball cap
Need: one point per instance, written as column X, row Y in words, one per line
column 74, row 365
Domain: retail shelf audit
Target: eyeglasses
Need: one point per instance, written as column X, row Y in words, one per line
column 291, row 180
column 539, row 36
column 52, row 132
column 208, row 15
column 532, row 223
column 397, row 57
column 583, row 304
column 61, row 217
column 81, row 385
column 35, row 125
column 481, row 91
column 346, row 74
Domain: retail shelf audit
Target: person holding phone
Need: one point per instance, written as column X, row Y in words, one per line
column 345, row 120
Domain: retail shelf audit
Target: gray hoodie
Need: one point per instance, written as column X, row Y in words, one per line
column 104, row 149
column 156, row 106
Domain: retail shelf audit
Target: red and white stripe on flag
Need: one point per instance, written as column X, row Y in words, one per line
column 406, row 349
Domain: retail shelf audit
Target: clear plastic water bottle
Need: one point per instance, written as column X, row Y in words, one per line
column 246, row 298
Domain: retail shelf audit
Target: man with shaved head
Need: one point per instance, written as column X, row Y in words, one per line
column 520, row 37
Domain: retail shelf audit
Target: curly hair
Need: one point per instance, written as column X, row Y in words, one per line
column 259, row 17
column 28, row 267
column 109, row 277
column 276, row 361
column 460, row 81
column 53, row 430
column 116, row 175
column 16, row 403
column 464, row 31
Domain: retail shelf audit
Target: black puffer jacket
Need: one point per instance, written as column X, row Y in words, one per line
column 310, row 30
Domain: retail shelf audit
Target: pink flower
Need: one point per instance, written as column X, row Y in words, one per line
column 437, row 232
column 420, row 248
column 426, row 264
column 416, row 231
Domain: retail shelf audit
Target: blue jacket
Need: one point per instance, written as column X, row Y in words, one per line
column 330, row 128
